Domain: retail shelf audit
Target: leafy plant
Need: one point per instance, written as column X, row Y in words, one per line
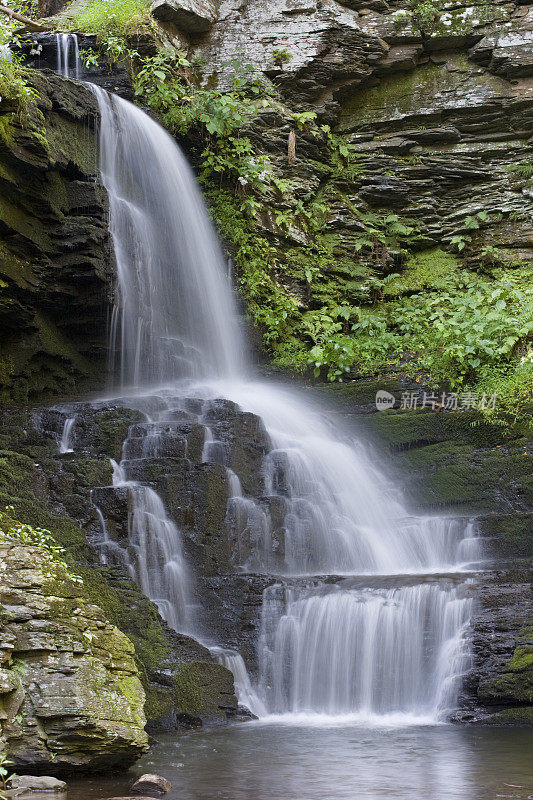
column 39, row 537
column 5, row 775
column 460, row 241
column 524, row 169
column 280, row 56
column 303, row 118
column 15, row 92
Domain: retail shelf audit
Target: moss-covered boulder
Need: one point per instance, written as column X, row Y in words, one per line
column 70, row 694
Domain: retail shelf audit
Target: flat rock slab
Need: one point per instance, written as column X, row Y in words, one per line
column 27, row 784
column 38, row 783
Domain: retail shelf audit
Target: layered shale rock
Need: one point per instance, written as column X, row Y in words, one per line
column 70, row 689
column 183, row 684
column 437, row 103
column 55, row 264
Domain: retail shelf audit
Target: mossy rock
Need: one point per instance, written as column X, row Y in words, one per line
column 203, row 689
column 521, row 715
column 404, row 429
column 427, row 269
column 508, row 535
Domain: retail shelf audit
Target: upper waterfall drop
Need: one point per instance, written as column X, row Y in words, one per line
column 175, row 315
column 68, row 55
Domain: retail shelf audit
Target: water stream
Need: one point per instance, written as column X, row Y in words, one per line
column 323, row 649
column 387, row 651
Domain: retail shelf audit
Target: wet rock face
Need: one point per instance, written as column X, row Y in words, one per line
column 55, row 262
column 70, row 692
column 439, row 109
column 184, row 685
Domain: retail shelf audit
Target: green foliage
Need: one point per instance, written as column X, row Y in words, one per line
column 38, row 537
column 166, row 82
column 5, row 775
column 428, row 269
column 270, row 305
column 303, row 118
column 343, row 155
column 105, row 18
column 15, row 93
column 524, row 169
column 425, row 12
column 280, row 56
column 469, row 334
column 512, row 383
column 470, row 327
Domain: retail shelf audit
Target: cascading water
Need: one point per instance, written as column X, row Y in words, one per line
column 68, row 55
column 175, row 316
column 368, row 652
column 65, row 443
column 387, row 644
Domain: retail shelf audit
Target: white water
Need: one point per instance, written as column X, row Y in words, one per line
column 366, row 651
column 68, row 56
column 374, row 651
column 154, row 556
column 175, row 314
column 244, row 690
column 65, row 443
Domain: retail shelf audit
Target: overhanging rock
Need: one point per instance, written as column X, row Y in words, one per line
column 192, row 16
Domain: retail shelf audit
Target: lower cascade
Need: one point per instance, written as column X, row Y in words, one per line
column 364, row 651
column 366, row 608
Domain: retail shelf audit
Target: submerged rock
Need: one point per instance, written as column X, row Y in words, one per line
column 151, row 783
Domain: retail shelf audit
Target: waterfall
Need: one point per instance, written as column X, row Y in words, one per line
column 154, row 556
column 363, row 651
column 65, row 443
column 176, row 316
column 244, row 690
column 68, row 55
column 391, row 639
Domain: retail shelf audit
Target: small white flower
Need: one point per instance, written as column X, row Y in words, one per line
column 242, row 180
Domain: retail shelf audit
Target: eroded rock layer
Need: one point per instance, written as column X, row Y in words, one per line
column 55, row 262
column 70, row 692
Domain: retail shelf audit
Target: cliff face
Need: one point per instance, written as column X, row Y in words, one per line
column 55, row 265
column 437, row 99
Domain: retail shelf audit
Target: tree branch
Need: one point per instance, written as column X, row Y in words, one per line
column 30, row 23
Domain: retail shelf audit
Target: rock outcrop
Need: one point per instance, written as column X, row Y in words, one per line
column 71, row 696
column 55, row 265
column 192, row 16
column 438, row 106
column 183, row 684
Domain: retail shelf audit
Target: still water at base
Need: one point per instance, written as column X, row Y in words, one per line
column 258, row 761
